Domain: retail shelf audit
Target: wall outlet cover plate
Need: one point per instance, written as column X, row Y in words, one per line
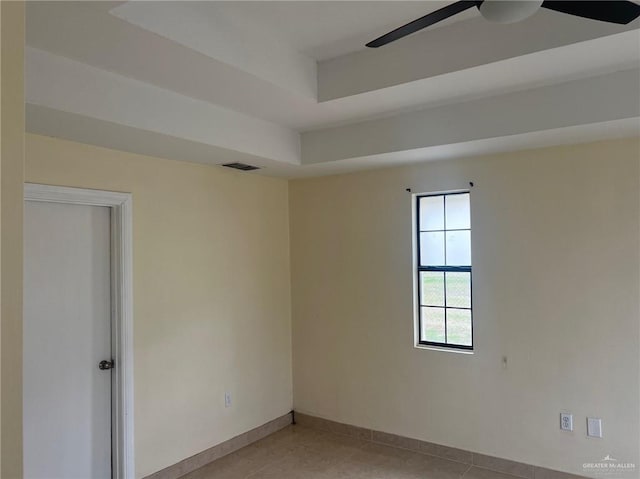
column 566, row 421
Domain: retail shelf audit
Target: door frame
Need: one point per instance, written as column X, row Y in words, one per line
column 120, row 204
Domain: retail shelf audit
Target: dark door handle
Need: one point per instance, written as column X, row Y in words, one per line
column 106, row 364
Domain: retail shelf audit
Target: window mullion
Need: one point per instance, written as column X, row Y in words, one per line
column 450, row 269
column 444, row 281
column 444, row 273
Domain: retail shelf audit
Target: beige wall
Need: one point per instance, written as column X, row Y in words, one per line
column 11, row 174
column 556, row 280
column 211, row 293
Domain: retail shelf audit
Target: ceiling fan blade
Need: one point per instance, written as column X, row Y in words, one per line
column 612, row 11
column 423, row 22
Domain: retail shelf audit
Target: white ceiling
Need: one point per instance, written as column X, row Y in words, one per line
column 265, row 80
column 324, row 29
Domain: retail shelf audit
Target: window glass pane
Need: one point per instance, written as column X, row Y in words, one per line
column 432, row 288
column 458, row 248
column 459, row 327
column 431, row 213
column 457, row 208
column 458, row 290
column 433, row 325
column 432, row 249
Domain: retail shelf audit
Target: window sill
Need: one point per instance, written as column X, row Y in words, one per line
column 440, row 348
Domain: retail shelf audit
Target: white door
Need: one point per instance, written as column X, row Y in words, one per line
column 67, row 332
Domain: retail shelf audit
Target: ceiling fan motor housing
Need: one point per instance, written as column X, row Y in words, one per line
column 508, row 11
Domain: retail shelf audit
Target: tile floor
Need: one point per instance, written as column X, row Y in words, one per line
column 297, row 452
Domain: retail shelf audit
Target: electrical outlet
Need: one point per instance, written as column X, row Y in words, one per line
column 227, row 399
column 594, row 427
column 566, row 421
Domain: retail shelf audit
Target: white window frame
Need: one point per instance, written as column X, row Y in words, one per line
column 418, row 344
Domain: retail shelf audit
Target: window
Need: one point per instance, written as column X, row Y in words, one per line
column 444, row 270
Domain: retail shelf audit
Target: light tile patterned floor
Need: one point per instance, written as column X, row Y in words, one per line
column 302, row 453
